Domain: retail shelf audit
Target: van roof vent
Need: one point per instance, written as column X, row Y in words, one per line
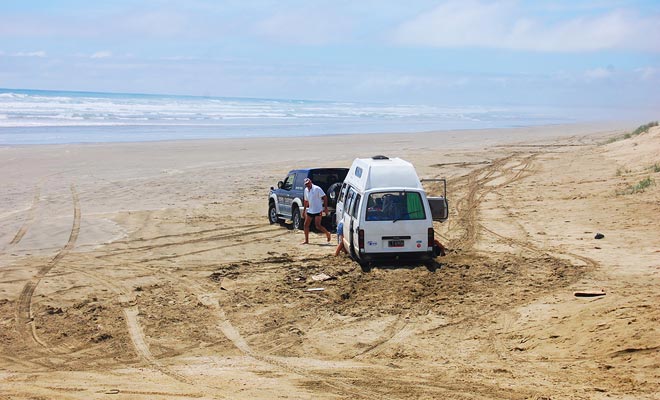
column 380, row 158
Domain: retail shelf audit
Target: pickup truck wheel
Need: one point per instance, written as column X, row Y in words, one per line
column 298, row 222
column 272, row 214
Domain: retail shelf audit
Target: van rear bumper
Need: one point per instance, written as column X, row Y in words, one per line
column 407, row 256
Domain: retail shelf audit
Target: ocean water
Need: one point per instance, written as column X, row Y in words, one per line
column 48, row 117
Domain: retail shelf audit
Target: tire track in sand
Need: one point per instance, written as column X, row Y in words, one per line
column 138, row 339
column 24, row 319
column 31, row 214
column 250, row 230
column 212, row 300
column 142, row 348
column 479, row 183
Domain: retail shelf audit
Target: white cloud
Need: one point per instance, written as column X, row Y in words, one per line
column 101, row 54
column 647, row 73
column 40, row 53
column 502, row 24
column 390, row 82
column 598, row 73
column 311, row 26
column 178, row 58
column 159, row 24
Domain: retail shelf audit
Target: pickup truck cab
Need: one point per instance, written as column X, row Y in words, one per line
column 286, row 201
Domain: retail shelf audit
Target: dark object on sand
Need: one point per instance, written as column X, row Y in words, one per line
column 438, row 249
column 599, row 236
column 589, row 293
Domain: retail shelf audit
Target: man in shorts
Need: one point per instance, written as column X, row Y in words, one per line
column 315, row 204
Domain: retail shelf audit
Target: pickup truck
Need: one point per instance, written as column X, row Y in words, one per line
column 286, row 201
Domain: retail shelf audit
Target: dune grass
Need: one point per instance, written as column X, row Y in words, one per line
column 638, row 131
column 639, row 187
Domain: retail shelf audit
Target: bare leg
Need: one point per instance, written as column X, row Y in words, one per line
column 340, row 247
column 317, row 222
column 308, row 222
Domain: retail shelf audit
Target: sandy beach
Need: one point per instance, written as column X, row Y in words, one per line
column 150, row 270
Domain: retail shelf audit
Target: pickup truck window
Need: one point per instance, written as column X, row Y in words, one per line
column 300, row 181
column 288, row 182
column 323, row 179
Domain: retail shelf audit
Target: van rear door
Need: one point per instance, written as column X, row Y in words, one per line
column 396, row 221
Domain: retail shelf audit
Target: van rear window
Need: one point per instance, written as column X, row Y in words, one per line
column 395, row 206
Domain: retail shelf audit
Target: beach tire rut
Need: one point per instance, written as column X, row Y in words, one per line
column 24, row 318
column 30, row 218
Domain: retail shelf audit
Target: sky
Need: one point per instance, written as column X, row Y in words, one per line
column 591, row 54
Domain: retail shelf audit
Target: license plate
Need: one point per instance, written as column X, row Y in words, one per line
column 395, row 243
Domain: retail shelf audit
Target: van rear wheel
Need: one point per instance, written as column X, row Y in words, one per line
column 351, row 249
column 365, row 266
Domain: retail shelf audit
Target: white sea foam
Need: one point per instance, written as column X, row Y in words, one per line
column 33, row 114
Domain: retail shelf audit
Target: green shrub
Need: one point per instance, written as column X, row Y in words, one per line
column 643, row 184
column 644, row 128
column 638, row 188
column 639, row 130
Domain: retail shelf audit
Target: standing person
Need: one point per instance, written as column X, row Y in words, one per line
column 315, row 203
column 340, row 239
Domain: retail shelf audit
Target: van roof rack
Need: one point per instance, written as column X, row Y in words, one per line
column 380, row 158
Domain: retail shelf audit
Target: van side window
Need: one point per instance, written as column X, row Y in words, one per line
column 342, row 193
column 349, row 200
column 356, row 206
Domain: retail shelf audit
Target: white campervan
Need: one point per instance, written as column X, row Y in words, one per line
column 385, row 211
